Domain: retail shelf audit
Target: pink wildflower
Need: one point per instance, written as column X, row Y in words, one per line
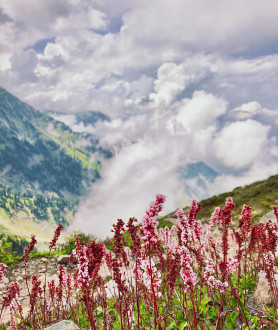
column 194, row 210
column 83, row 277
column 269, row 261
column 130, row 316
column 198, row 229
column 186, row 272
column 149, row 224
column 10, row 301
column 211, row 280
column 128, row 253
column 186, row 234
column 137, row 271
column 217, row 284
column 275, row 212
column 214, row 217
column 12, row 294
column 55, row 237
column 231, row 265
column 62, row 275
column 29, row 248
column 35, row 292
column 151, row 277
column 209, row 269
column 2, row 271
column 166, row 234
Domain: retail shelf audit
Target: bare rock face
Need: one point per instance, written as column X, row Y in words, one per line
column 262, row 295
column 63, row 259
column 63, row 325
column 4, row 282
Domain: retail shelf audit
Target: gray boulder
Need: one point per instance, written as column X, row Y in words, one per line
column 262, row 295
column 63, row 325
column 63, row 259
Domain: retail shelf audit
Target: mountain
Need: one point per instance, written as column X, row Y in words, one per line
column 90, row 118
column 86, row 118
column 40, row 154
column 260, row 195
column 45, row 168
column 196, row 178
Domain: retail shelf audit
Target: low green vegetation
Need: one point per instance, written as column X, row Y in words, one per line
column 41, row 207
column 261, row 195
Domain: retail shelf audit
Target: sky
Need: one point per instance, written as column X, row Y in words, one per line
column 183, row 81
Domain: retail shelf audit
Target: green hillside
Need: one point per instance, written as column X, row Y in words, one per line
column 260, row 195
column 42, row 155
column 45, row 169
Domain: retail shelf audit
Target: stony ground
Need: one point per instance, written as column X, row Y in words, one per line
column 35, row 266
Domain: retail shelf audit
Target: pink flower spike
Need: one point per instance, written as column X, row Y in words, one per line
column 231, row 265
column 186, row 272
column 214, row 216
column 149, row 224
column 2, row 271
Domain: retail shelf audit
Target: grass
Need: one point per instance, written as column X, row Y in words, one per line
column 262, row 195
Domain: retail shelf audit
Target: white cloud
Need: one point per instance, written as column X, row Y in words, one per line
column 247, row 110
column 171, row 80
column 240, row 143
column 183, row 81
column 200, row 111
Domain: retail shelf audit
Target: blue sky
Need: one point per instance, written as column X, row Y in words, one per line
column 183, row 81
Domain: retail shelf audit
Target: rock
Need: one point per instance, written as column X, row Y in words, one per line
column 49, row 278
column 268, row 216
column 4, row 282
column 44, row 260
column 262, row 295
column 111, row 289
column 63, row 259
column 63, row 325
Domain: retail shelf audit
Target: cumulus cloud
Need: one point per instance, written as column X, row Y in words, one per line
column 183, row 81
column 151, row 147
column 240, row 143
column 171, row 80
column 200, row 111
column 171, row 36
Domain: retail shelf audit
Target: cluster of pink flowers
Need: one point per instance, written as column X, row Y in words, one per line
column 10, row 301
column 55, row 237
column 63, row 277
column 137, row 270
column 149, row 224
column 269, row 261
column 225, row 214
column 12, row 294
column 186, row 272
column 166, row 234
column 196, row 265
column 211, row 280
column 29, row 248
column 231, row 265
column 214, row 217
column 150, row 276
column 198, row 230
column 35, row 292
column 186, row 234
column 2, row 271
column 83, row 278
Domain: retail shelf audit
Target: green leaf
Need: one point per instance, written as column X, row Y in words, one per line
column 183, row 325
